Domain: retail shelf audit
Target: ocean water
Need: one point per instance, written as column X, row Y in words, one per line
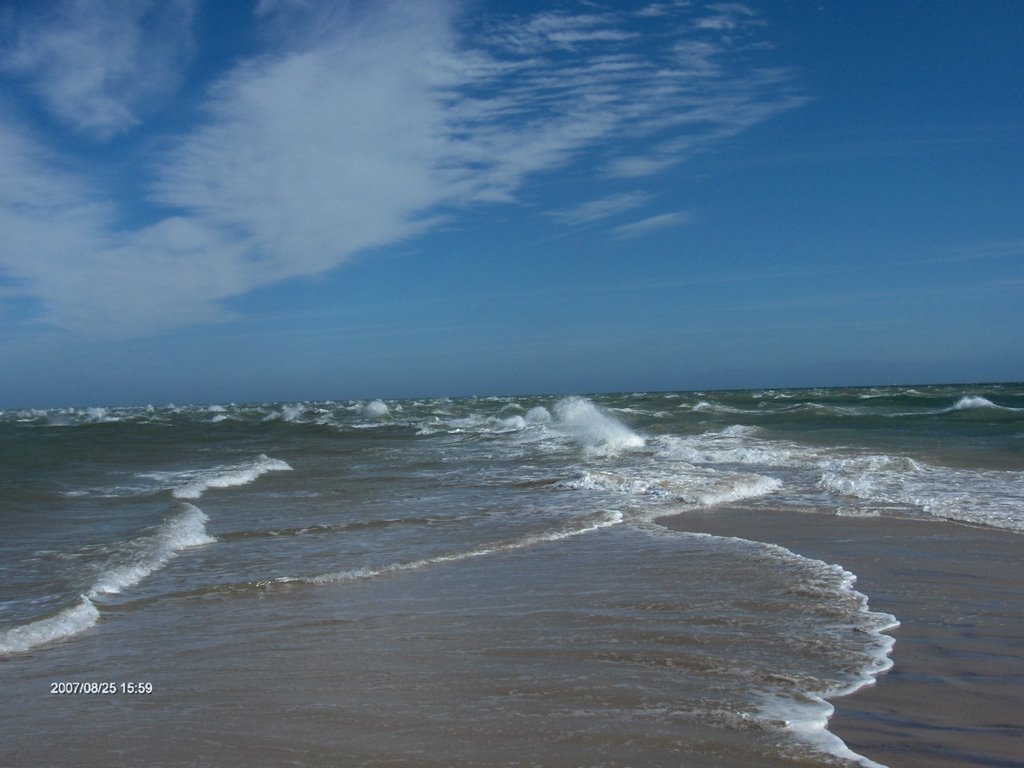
column 472, row 581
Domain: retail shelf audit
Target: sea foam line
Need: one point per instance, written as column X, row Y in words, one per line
column 604, row 521
column 807, row 717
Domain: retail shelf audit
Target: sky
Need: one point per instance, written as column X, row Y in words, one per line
column 227, row 201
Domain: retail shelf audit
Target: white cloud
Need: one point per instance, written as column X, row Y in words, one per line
column 60, row 246
column 562, row 30
column 356, row 132
column 651, row 224
column 320, row 153
column 603, row 208
column 98, row 64
column 729, row 17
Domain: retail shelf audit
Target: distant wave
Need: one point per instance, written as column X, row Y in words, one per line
column 765, row 409
column 376, row 409
column 444, row 423
column 708, row 406
column 575, row 418
column 965, row 404
column 973, row 402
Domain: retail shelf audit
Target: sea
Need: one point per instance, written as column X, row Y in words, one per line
column 474, row 581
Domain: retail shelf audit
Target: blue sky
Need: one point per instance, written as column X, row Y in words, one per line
column 290, row 199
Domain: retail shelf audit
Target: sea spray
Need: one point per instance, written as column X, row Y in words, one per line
column 597, row 431
column 376, row 409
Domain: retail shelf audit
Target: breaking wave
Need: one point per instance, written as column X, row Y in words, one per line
column 974, row 402
column 70, row 621
column 193, row 483
column 131, row 564
column 150, row 553
column 598, row 432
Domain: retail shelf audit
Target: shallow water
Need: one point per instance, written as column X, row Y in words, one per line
column 463, row 582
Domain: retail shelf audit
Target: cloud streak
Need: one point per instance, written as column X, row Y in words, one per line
column 355, row 131
column 598, row 210
column 99, row 65
column 651, row 224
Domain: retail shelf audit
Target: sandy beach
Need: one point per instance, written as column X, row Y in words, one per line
column 955, row 695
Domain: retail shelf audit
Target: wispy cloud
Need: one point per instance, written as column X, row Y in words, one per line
column 356, row 130
column 99, row 65
column 651, row 224
column 604, row 208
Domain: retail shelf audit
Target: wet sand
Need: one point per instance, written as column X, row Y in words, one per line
column 955, row 695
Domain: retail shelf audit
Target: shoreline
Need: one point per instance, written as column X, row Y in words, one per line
column 955, row 693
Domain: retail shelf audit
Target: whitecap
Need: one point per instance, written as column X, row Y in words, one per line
column 376, row 409
column 598, row 432
column 538, row 415
column 973, row 402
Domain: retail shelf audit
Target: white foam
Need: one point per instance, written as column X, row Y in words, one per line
column 539, row 415
column 70, row 621
column 709, row 407
column 140, row 558
column 699, row 487
column 735, row 446
column 377, row 409
column 737, row 488
column 806, row 714
column 972, row 402
column 599, row 433
column 808, row 721
column 604, row 520
column 986, row 497
column 292, row 413
column 738, row 430
column 193, row 483
column 513, row 423
column 149, row 553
